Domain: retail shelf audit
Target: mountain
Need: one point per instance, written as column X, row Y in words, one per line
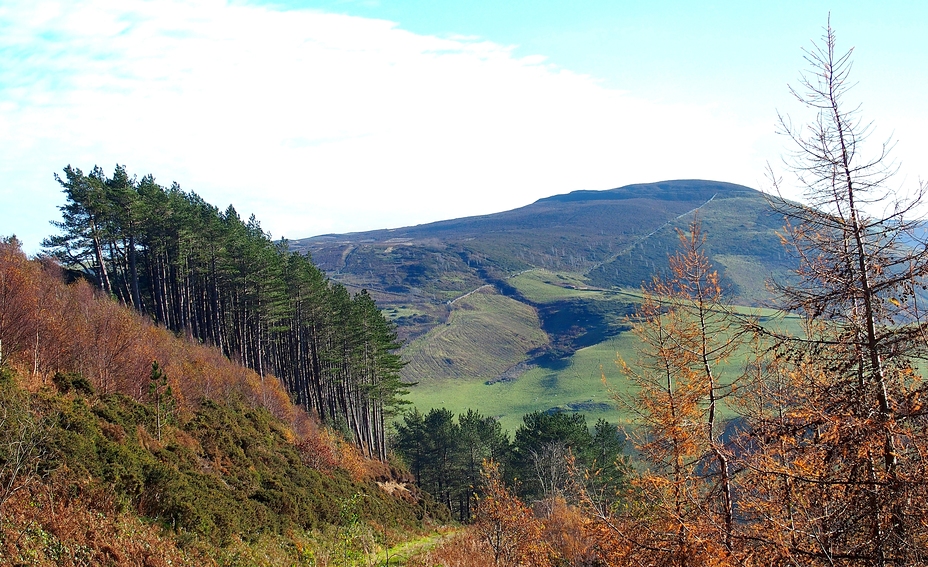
column 499, row 312
column 614, row 238
column 525, row 310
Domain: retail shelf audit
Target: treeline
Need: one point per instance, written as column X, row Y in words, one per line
column 550, row 452
column 223, row 280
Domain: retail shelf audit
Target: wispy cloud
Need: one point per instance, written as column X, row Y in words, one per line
column 321, row 122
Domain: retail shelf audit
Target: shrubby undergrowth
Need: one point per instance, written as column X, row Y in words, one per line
column 125, row 444
column 227, row 477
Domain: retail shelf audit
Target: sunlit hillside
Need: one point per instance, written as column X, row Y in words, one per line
column 124, row 444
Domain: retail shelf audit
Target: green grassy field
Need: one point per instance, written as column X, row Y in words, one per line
column 475, row 341
column 577, row 385
column 543, row 286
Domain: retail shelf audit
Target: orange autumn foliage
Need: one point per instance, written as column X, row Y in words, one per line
column 48, row 327
column 683, row 512
column 507, row 525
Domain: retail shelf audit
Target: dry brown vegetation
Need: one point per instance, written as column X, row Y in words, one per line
column 106, row 463
column 47, row 327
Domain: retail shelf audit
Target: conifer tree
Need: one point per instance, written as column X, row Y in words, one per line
column 84, row 224
column 219, row 278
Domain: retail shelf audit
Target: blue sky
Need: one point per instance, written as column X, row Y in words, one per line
column 333, row 116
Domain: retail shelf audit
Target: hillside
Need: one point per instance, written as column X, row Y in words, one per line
column 615, row 238
column 589, row 232
column 172, row 453
column 572, row 259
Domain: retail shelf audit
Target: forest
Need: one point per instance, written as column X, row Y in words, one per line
column 446, row 456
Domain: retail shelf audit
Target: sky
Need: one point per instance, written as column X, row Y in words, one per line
column 333, row 116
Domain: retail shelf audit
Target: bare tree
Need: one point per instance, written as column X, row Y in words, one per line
column 550, row 465
column 850, row 425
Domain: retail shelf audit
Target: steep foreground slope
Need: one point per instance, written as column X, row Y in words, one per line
column 122, row 444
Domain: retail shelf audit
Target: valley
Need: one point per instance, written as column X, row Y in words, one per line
column 527, row 310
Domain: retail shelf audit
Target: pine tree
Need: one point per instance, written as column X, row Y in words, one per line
column 209, row 274
column 85, row 220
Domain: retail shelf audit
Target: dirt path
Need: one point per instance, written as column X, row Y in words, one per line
column 638, row 241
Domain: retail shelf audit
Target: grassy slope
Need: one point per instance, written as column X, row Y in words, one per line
column 576, row 386
column 486, row 334
column 574, row 383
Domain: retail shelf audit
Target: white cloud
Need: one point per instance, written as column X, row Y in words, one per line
column 319, row 122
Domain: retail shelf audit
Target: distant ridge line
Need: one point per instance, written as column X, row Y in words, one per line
column 671, row 190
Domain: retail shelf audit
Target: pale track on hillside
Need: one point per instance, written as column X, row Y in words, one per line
column 452, row 301
column 611, row 258
column 638, row 241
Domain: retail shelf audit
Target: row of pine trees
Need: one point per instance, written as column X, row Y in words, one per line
column 222, row 280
